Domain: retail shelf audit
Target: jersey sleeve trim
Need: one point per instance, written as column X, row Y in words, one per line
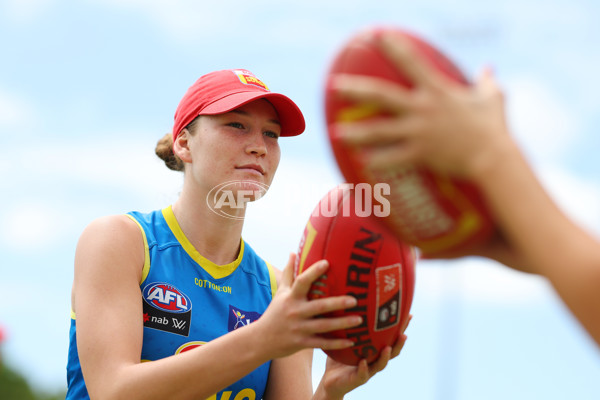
column 146, row 268
column 273, row 279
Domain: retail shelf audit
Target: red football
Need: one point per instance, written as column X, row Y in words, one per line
column 441, row 215
column 366, row 261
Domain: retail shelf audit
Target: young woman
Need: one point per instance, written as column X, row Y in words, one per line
column 462, row 131
column 173, row 304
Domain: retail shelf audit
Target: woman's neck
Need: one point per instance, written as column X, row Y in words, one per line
column 216, row 237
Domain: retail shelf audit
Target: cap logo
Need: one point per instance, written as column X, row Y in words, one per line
column 247, row 78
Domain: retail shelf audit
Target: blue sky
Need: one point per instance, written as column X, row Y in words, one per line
column 88, row 87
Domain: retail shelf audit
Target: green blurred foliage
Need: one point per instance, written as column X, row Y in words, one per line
column 13, row 386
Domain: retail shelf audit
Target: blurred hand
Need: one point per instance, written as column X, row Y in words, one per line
column 440, row 123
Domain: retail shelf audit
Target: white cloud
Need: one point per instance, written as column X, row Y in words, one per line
column 185, row 19
column 128, row 164
column 25, row 11
column 64, row 185
column 480, row 281
column 32, row 222
column 306, row 23
column 13, row 109
column 540, row 120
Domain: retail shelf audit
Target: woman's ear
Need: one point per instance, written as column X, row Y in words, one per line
column 181, row 147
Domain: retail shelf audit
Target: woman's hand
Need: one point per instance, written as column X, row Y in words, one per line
column 340, row 379
column 440, row 123
column 289, row 323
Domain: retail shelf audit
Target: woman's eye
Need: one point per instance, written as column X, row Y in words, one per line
column 236, row 125
column 272, row 134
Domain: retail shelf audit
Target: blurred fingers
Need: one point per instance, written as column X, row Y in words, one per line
column 403, row 54
column 378, row 132
column 392, row 156
column 486, row 85
column 377, row 92
column 486, row 79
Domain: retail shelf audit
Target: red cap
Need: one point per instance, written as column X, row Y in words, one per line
column 222, row 91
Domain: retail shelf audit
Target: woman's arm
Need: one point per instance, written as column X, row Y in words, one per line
column 291, row 377
column 551, row 244
column 108, row 305
column 462, row 131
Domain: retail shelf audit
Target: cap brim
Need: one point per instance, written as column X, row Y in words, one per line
column 290, row 116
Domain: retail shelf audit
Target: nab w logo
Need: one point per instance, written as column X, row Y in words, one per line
column 239, row 318
column 178, row 324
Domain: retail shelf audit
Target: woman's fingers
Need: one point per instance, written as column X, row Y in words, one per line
column 390, row 157
column 326, row 305
column 324, row 325
column 320, row 342
column 398, row 346
column 378, row 132
column 406, row 323
column 403, row 54
column 287, row 276
column 382, row 94
column 401, row 339
column 486, row 82
column 382, row 361
column 304, row 281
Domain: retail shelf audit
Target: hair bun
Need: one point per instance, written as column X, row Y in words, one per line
column 164, row 150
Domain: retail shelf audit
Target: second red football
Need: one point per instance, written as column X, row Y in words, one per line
column 441, row 215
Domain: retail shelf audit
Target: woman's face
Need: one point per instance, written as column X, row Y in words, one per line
column 241, row 145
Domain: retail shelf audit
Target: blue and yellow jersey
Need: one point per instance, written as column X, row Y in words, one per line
column 188, row 301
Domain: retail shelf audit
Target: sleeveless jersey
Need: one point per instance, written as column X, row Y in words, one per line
column 188, row 301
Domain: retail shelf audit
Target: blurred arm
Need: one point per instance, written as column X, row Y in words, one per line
column 461, row 130
column 550, row 243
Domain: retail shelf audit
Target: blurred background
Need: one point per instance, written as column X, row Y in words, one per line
column 87, row 87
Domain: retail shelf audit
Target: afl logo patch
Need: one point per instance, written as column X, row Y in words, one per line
column 166, row 308
column 166, row 297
